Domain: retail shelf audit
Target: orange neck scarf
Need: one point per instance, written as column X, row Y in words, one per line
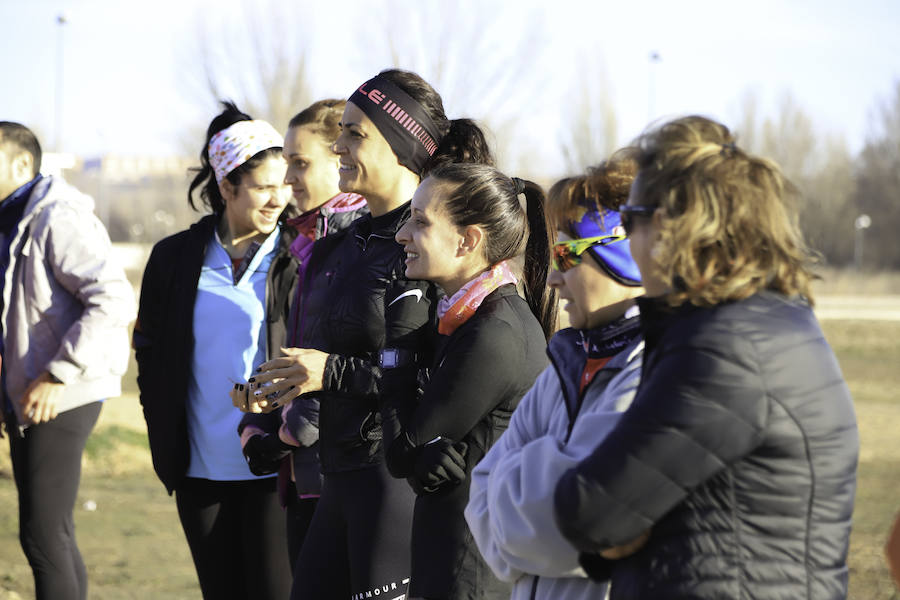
column 458, row 309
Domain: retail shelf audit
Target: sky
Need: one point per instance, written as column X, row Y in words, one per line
column 131, row 82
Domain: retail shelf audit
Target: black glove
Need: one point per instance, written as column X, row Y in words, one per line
column 264, row 453
column 439, row 464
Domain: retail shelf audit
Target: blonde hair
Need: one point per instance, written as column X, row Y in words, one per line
column 728, row 227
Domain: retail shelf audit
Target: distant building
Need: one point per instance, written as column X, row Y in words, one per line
column 138, row 198
column 114, row 167
column 54, row 163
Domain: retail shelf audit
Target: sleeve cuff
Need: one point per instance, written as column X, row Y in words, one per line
column 329, row 374
column 596, row 567
column 62, row 372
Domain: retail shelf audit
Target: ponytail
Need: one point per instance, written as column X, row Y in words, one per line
column 464, row 142
column 539, row 296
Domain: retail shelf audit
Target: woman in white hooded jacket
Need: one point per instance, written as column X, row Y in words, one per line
column 575, row 402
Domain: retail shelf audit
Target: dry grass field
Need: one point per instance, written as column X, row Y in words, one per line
column 134, row 548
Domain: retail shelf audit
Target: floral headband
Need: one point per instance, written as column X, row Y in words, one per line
column 235, row 145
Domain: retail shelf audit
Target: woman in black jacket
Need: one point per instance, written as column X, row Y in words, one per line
column 287, row 441
column 213, row 307
column 394, row 131
column 739, row 451
column 470, row 229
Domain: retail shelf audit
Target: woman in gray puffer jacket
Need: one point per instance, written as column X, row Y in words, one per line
column 739, row 450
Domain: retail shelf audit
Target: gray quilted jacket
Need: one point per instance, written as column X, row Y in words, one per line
column 738, row 452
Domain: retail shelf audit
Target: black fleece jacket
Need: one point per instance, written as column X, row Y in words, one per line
column 164, row 336
column 478, row 375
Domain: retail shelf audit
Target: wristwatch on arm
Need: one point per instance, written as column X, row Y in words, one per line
column 391, row 358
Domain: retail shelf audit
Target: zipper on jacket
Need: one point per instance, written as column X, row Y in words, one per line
column 266, row 303
column 365, row 240
column 569, row 429
column 579, row 400
column 571, row 426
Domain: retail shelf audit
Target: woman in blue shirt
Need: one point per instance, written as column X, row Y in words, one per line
column 213, row 307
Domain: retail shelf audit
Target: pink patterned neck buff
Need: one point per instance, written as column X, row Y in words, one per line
column 458, row 309
column 235, row 145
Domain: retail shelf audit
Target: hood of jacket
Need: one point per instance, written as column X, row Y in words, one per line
column 52, row 190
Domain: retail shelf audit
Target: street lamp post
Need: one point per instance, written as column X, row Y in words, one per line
column 653, row 60
column 861, row 223
column 61, row 20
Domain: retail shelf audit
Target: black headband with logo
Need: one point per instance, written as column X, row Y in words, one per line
column 408, row 129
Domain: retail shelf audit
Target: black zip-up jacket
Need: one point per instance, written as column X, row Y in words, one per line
column 343, row 315
column 303, row 421
column 478, row 375
column 164, row 336
column 739, row 452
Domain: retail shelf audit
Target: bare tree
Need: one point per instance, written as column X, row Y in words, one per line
column 821, row 169
column 589, row 131
column 827, row 209
column 265, row 64
column 747, row 128
column 788, row 137
column 445, row 42
column 255, row 60
column 258, row 59
column 878, row 186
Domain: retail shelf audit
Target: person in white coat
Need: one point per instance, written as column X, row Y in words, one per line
column 65, row 307
column 594, row 372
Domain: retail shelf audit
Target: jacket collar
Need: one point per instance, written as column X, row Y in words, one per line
column 384, row 226
column 657, row 314
column 203, row 231
column 570, row 348
column 47, row 190
column 22, row 191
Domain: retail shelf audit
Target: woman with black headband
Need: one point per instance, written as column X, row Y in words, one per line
column 286, row 441
column 470, row 229
column 394, row 131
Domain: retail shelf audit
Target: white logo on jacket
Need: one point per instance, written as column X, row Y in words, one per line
column 416, row 293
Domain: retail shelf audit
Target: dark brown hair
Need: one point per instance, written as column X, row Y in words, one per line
column 481, row 195
column 205, row 179
column 463, row 140
column 21, row 137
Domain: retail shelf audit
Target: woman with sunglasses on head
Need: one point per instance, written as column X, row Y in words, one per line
column 595, row 367
column 286, row 441
column 393, row 132
column 213, row 307
column 740, row 447
column 471, row 231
